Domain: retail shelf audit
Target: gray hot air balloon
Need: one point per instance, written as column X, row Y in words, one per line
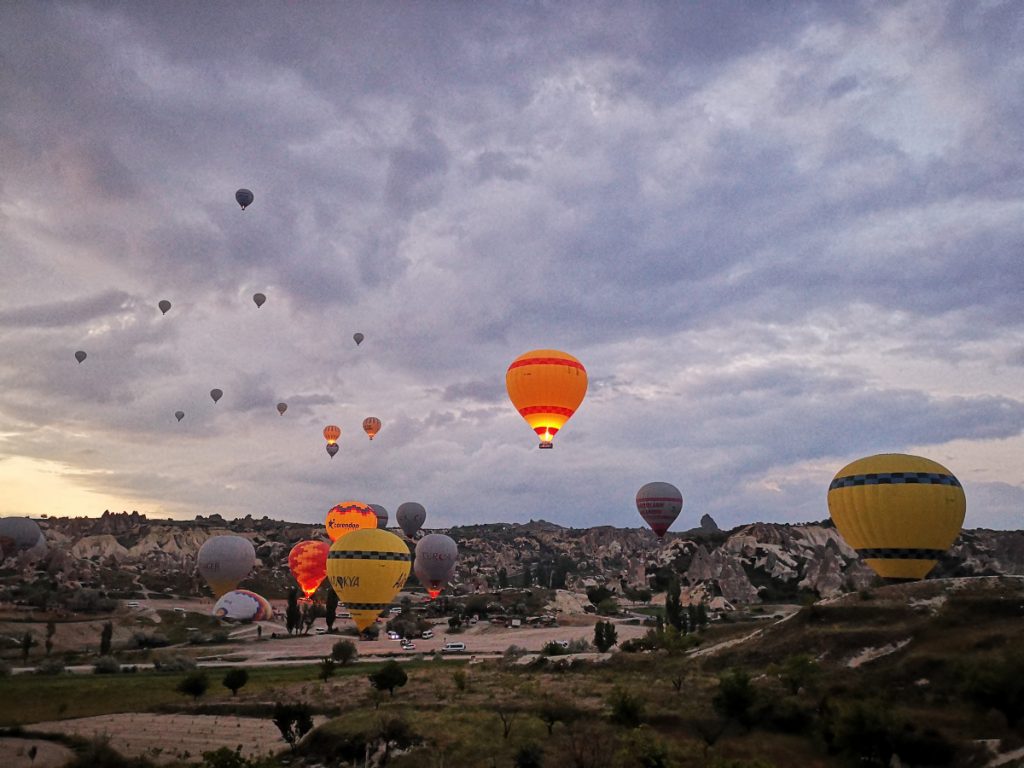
column 382, row 515
column 224, row 561
column 282, row 407
column 244, row 198
column 436, row 556
column 358, row 338
column 80, row 356
column 332, row 448
column 216, row 394
column 179, row 415
column 19, row 534
column 164, row 305
column 410, row 517
column 259, row 298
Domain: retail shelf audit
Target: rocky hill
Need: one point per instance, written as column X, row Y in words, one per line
column 130, row 554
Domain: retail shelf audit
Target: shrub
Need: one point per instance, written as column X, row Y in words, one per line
column 344, row 652
column 552, row 648
column 512, row 653
column 106, row 665
column 50, row 667
column 174, row 664
column 627, row 708
column 5, row 669
column 234, row 679
column 194, row 684
column 389, row 677
column 530, row 755
column 736, row 697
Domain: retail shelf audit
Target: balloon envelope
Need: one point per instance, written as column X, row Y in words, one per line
column 349, row 516
column 358, row 338
column 244, row 198
column 332, row 433
column 410, row 516
column 308, row 563
column 179, row 415
column 382, row 515
column 19, row 534
column 80, row 356
column 164, row 306
column 436, row 556
column 332, row 449
column 216, row 394
column 243, row 605
column 546, row 387
column 900, row 512
column 260, row 299
column 371, row 426
column 282, row 407
column 659, row 505
column 224, row 561
column 367, row 568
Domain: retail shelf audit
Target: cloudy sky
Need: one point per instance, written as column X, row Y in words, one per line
column 779, row 236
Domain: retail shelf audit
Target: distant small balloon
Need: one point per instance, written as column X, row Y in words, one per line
column 179, row 415
column 164, row 306
column 332, row 448
column 259, row 298
column 282, row 407
column 371, row 425
column 358, row 337
column 244, row 198
column 80, row 356
column 216, row 394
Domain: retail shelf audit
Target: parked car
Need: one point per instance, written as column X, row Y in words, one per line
column 321, row 630
column 408, row 645
column 394, row 636
column 133, row 604
column 426, row 634
column 453, row 648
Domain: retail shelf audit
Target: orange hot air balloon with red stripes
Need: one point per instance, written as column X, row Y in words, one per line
column 308, row 563
column 371, row 425
column 546, row 387
column 347, row 517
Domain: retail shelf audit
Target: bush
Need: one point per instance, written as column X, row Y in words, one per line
column 627, row 709
column 106, row 665
column 736, row 697
column 50, row 667
column 512, row 653
column 530, row 755
column 552, row 648
column 194, row 684
column 234, row 679
column 174, row 664
column 344, row 652
column 5, row 669
column 389, row 677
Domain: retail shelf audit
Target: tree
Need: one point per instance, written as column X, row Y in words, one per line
column 327, row 664
column 507, row 717
column 388, row 677
column 735, row 697
column 293, row 721
column 51, row 630
column 27, row 641
column 106, row 635
column 673, row 605
column 194, row 684
column 997, row 683
column 344, row 652
column 798, row 671
column 627, row 708
column 292, row 615
column 234, row 679
column 331, row 609
column 502, row 578
column 553, row 710
column 605, row 635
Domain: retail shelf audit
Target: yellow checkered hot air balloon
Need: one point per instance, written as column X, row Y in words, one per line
column 546, row 387
column 367, row 568
column 900, row 512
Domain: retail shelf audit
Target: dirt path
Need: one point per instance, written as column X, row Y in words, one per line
column 14, row 753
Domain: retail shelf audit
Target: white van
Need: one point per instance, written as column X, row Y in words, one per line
column 453, row 648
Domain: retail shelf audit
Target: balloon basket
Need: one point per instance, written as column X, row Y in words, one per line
column 546, row 445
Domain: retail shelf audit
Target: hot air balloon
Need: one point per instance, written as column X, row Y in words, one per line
column 358, row 338
column 243, row 605
column 367, row 568
column 224, row 561
column 164, row 305
column 80, row 356
column 216, row 394
column 19, row 534
column 410, row 516
column 659, row 505
column 244, row 198
column 332, row 449
column 436, row 556
column 259, row 298
column 332, row 433
column 546, row 386
column 179, row 415
column 371, row 426
column 382, row 515
column 282, row 407
column 347, row 517
column 308, row 563
column 899, row 512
